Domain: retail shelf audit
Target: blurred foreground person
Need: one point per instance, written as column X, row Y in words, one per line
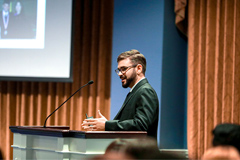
column 227, row 134
column 142, row 148
column 146, row 148
column 222, row 152
column 117, row 146
column 114, row 156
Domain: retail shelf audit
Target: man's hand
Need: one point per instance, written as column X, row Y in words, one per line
column 96, row 124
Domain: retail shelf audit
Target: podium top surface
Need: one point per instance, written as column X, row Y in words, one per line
column 63, row 131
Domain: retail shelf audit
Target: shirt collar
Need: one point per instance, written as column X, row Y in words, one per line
column 137, row 83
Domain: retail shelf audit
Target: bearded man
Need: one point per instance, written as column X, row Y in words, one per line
column 140, row 109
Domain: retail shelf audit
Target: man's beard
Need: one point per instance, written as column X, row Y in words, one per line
column 129, row 80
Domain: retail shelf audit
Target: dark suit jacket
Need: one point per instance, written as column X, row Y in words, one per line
column 139, row 111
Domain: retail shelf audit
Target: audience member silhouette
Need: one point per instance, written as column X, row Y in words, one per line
column 221, row 152
column 117, row 145
column 144, row 148
column 227, row 134
column 113, row 156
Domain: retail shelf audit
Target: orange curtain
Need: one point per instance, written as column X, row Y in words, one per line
column 213, row 69
column 29, row 103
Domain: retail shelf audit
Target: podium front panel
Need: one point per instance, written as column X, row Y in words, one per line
column 63, row 144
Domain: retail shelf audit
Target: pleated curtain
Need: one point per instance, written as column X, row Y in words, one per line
column 29, row 103
column 213, row 70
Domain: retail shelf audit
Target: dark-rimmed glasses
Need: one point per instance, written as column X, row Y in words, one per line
column 123, row 70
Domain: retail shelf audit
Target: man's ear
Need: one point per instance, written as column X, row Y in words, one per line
column 139, row 69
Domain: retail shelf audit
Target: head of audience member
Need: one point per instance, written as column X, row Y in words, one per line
column 117, row 145
column 221, row 152
column 142, row 148
column 227, row 134
column 113, row 156
column 145, row 148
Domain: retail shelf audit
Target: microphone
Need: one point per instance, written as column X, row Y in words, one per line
column 90, row 82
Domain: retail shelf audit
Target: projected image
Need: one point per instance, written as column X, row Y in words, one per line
column 21, row 22
column 39, row 48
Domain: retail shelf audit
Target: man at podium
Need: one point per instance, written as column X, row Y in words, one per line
column 139, row 111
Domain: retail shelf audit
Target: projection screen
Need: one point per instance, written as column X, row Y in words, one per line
column 36, row 40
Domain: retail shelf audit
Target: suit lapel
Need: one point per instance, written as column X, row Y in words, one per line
column 130, row 94
column 127, row 98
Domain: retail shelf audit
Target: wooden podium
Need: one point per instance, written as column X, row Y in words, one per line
column 35, row 142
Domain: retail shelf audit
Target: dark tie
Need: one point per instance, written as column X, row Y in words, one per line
column 129, row 93
column 122, row 105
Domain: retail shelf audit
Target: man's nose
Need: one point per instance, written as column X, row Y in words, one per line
column 120, row 74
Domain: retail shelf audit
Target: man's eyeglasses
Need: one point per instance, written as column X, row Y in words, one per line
column 124, row 69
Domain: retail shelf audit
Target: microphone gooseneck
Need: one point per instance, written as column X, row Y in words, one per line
column 90, row 82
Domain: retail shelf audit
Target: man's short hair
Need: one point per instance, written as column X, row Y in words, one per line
column 136, row 58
